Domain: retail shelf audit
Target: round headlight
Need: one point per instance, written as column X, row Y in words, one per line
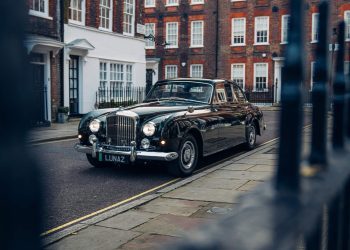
column 149, row 129
column 95, row 125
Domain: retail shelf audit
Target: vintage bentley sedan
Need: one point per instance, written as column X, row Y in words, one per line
column 180, row 121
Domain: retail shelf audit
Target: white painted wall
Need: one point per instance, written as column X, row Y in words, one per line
column 108, row 47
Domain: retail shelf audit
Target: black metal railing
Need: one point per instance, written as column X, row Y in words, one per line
column 307, row 203
column 263, row 96
column 119, row 97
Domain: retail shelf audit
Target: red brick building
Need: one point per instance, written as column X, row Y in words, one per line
column 249, row 44
column 44, row 43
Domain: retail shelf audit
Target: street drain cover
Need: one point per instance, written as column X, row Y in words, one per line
column 219, row 210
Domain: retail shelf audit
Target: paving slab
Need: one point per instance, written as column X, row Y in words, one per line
column 241, row 175
column 94, row 237
column 173, row 206
column 150, row 242
column 250, row 185
column 204, row 194
column 171, row 225
column 238, row 166
column 249, row 160
column 218, row 183
column 264, row 156
column 128, row 220
column 262, row 168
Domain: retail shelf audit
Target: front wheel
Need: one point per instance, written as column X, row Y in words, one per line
column 187, row 161
column 251, row 137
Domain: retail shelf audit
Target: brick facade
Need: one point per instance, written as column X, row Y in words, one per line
column 247, row 54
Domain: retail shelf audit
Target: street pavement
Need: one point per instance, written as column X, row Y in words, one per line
column 171, row 213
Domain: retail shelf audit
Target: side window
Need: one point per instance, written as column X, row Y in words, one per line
column 220, row 93
column 239, row 94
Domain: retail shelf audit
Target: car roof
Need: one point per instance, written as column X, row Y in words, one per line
column 212, row 81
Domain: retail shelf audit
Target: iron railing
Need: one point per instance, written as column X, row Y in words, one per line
column 307, row 203
column 260, row 96
column 116, row 97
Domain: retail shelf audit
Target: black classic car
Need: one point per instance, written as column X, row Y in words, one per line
column 180, row 121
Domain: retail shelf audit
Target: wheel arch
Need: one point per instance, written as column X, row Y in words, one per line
column 198, row 136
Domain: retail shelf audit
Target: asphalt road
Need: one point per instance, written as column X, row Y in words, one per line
column 73, row 188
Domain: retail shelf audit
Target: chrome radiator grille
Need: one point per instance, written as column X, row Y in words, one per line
column 121, row 130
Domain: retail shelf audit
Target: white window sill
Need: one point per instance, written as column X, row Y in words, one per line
column 238, row 45
column 70, row 21
column 150, row 6
column 104, row 29
column 257, row 44
column 128, row 34
column 283, row 43
column 314, row 41
column 196, row 46
column 40, row 14
column 171, row 5
column 150, row 47
column 260, row 91
column 172, row 47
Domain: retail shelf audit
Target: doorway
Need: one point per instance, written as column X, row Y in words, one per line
column 74, row 85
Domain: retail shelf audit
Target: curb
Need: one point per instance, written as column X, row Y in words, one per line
column 52, row 139
column 51, row 238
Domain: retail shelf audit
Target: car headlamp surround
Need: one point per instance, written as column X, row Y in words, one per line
column 149, row 128
column 95, row 125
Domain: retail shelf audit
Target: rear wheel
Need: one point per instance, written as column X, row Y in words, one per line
column 251, row 137
column 94, row 162
column 187, row 161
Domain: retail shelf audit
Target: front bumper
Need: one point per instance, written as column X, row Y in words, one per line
column 133, row 154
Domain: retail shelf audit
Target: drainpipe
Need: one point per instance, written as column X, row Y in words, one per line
column 217, row 40
column 60, row 31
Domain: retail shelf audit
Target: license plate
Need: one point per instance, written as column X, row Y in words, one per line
column 113, row 158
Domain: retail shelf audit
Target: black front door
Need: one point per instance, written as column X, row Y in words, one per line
column 37, row 67
column 74, row 85
column 149, row 79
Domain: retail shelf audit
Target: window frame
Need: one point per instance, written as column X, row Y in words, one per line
column 171, row 46
column 172, row 4
column 233, row 31
column 243, row 72
column 347, row 25
column 83, row 13
column 132, row 33
column 191, row 70
column 39, row 13
column 256, row 30
column 267, row 77
column 110, row 28
column 192, row 34
column 166, row 71
column 285, row 20
column 314, row 29
column 153, row 33
column 150, row 5
column 195, row 2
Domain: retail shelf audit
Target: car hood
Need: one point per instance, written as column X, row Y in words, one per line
column 152, row 109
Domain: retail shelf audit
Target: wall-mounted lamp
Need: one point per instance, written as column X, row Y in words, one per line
column 183, row 64
column 263, row 55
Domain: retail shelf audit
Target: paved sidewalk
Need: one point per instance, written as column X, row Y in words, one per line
column 57, row 131
column 173, row 212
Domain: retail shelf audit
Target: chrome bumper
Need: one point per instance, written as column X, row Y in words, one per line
column 133, row 154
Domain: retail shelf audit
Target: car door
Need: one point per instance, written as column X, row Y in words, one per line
column 240, row 111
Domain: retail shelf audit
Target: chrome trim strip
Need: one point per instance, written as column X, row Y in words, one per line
column 142, row 155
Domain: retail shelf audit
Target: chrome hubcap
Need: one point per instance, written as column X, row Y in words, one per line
column 252, row 136
column 188, row 154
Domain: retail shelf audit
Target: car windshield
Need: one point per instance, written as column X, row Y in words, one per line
column 186, row 91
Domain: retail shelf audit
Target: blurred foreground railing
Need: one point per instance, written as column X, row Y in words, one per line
column 306, row 205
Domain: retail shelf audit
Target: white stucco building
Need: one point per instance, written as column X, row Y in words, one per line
column 101, row 52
